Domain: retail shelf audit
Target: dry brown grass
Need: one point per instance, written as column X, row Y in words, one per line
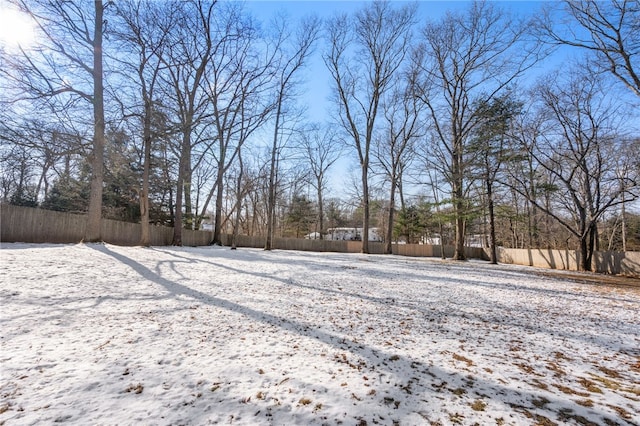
column 463, row 359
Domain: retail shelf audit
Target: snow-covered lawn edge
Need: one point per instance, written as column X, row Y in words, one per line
column 101, row 334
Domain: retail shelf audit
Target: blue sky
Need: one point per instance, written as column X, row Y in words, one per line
column 318, row 82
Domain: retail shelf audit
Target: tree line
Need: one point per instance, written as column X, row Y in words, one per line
column 188, row 112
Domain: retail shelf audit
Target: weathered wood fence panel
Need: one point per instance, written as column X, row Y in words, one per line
column 609, row 262
column 29, row 225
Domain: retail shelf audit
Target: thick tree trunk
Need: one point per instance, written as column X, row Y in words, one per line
column 584, row 255
column 591, row 246
column 188, row 211
column 182, row 173
column 217, row 225
column 365, row 208
column 271, row 199
column 238, row 207
column 458, row 202
column 94, row 222
column 460, row 221
column 392, row 205
column 177, row 221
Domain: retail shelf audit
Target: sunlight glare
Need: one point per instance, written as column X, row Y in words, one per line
column 16, row 29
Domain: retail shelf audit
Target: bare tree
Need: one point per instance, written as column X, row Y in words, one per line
column 237, row 86
column 467, row 57
column 295, row 51
column 241, row 191
column 608, row 29
column 68, row 66
column 627, row 168
column 47, row 148
column 186, row 60
column 581, row 150
column 143, row 31
column 365, row 52
column 402, row 114
column 321, row 149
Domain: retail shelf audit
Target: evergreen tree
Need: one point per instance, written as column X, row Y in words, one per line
column 68, row 194
column 300, row 217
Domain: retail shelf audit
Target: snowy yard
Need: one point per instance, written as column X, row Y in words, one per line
column 100, row 334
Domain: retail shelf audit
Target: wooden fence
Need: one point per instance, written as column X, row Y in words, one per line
column 416, row 250
column 29, row 225
column 607, row 262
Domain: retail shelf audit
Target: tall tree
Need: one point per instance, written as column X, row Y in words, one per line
column 321, row 149
column 466, row 57
column 402, row 115
column 186, row 59
column 237, row 86
column 490, row 141
column 143, row 32
column 365, row 52
column 295, row 51
column 68, row 66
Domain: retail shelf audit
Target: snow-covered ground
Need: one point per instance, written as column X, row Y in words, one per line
column 99, row 334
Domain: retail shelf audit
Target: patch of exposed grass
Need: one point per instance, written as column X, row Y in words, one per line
column 555, row 367
column 606, row 382
column 540, row 402
column 459, row 391
column 538, row 419
column 543, row 421
column 560, row 355
column 463, row 359
column 589, row 385
column 456, row 418
column 609, row 372
column 304, row 401
column 541, row 385
column 585, row 402
column 616, row 386
column 526, row 368
column 621, row 412
column 635, row 390
column 569, row 391
column 137, row 388
column 478, row 405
